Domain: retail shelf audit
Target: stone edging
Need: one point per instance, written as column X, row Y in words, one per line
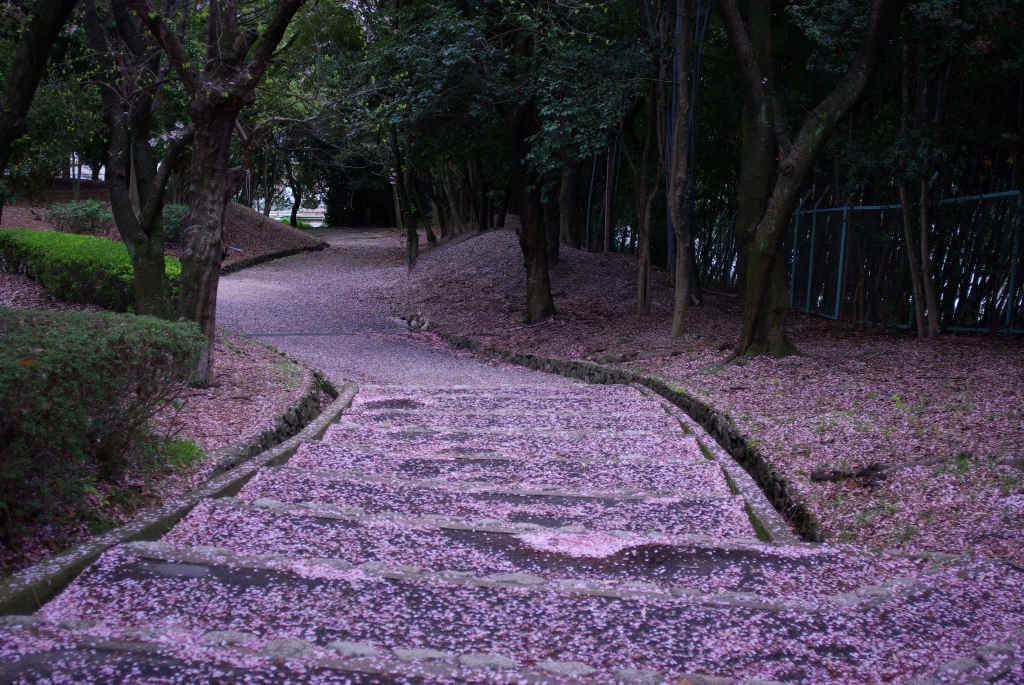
column 269, row 257
column 286, row 425
column 776, row 487
column 27, row 591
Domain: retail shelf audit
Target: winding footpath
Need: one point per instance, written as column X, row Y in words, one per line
column 467, row 521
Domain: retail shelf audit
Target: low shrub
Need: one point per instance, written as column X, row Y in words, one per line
column 76, row 393
column 81, row 216
column 78, row 268
column 174, row 224
column 298, row 224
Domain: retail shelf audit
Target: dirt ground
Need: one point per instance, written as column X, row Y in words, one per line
column 848, row 400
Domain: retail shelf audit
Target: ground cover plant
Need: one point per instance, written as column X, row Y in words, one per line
column 77, row 268
column 76, row 393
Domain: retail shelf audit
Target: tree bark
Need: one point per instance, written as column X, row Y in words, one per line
column 569, row 204
column 128, row 106
column 532, row 236
column 552, row 224
column 758, row 308
column 678, row 180
column 219, row 86
column 412, row 238
column 926, row 265
column 915, row 276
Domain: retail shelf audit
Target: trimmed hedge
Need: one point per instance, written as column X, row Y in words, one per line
column 76, row 392
column 81, row 216
column 78, row 268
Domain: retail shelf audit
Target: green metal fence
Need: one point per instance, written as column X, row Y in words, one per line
column 850, row 262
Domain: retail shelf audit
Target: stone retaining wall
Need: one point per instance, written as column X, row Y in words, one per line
column 779, row 491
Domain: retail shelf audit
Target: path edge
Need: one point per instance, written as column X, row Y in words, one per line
column 241, row 264
column 787, row 511
column 28, row 590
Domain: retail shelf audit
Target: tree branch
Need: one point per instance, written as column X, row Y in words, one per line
column 271, row 38
column 168, row 41
column 163, row 174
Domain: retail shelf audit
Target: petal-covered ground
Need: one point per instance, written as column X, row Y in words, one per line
column 479, row 523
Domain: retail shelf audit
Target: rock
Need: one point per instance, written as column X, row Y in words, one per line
column 994, row 649
column 491, row 662
column 371, row 567
column 701, row 679
column 489, row 523
column 845, row 600
column 518, row 579
column 20, row 621
column 422, row 655
column 72, row 624
column 268, row 503
column 528, row 526
column 289, row 648
column 964, row 665
column 226, row 637
column 576, row 530
column 872, row 591
column 570, row 668
column 214, row 551
column 619, row 533
column 352, row 649
column 686, row 592
column 633, row 676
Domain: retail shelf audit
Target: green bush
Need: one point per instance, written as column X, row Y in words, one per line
column 174, row 224
column 85, row 216
column 298, row 223
column 76, row 393
column 77, row 268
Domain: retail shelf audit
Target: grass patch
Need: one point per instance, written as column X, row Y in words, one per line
column 298, row 223
column 78, row 268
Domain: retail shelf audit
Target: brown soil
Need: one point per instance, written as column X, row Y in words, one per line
column 850, row 399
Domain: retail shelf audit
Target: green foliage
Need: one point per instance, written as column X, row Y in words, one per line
column 76, row 392
column 174, row 224
column 85, row 216
column 298, row 224
column 77, row 268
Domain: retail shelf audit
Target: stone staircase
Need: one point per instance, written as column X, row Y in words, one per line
column 561, row 533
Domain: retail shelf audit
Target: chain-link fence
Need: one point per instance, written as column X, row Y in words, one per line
column 851, row 262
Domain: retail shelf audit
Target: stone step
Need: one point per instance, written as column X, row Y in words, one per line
column 628, row 400
column 506, row 419
column 321, row 604
column 525, row 442
column 670, row 512
column 487, row 547
column 689, row 471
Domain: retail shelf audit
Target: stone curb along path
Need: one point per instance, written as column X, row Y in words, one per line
column 780, row 492
column 27, row 591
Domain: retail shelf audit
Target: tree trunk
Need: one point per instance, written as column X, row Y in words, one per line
column 915, row 276
column 412, row 238
column 552, row 225
column 569, row 204
column 796, row 160
column 532, row 237
column 926, row 266
column 678, row 181
column 209, row 196
column 645, row 190
column 608, row 187
column 506, row 199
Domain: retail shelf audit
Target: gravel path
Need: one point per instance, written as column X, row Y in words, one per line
column 478, row 523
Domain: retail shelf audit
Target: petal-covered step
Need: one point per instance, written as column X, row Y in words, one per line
column 522, row 619
column 666, row 511
column 546, row 443
column 689, row 470
column 507, row 418
column 486, row 547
